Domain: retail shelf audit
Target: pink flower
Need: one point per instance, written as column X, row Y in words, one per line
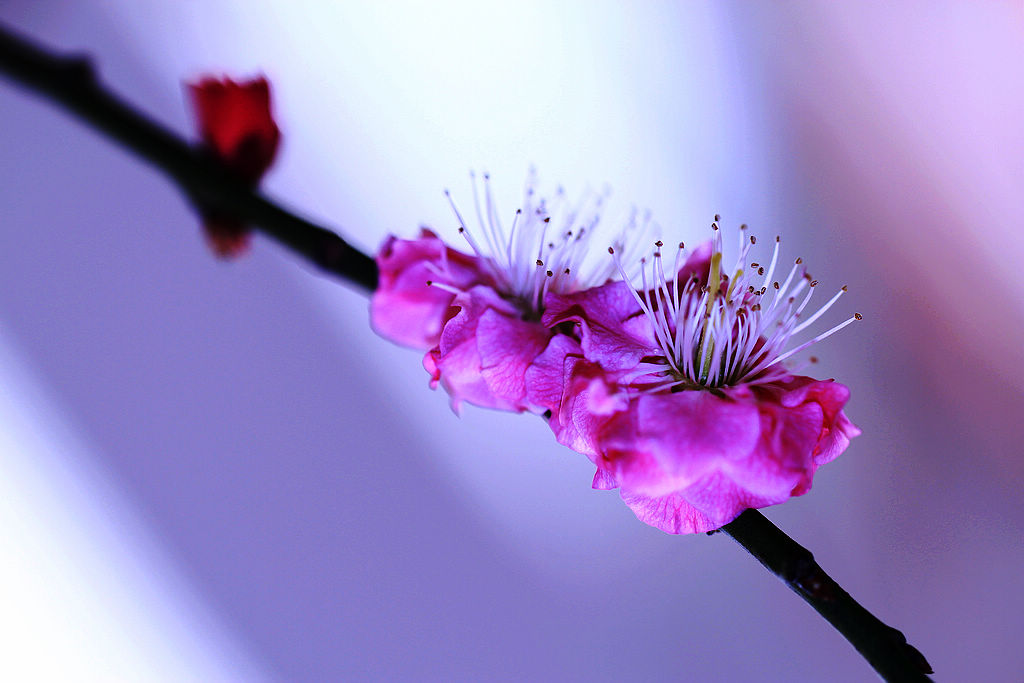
column 235, row 123
column 479, row 315
column 681, row 399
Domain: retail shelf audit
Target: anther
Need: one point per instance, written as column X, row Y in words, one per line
column 814, row 283
column 777, row 238
column 430, row 283
column 760, row 271
column 743, row 226
column 799, row 261
column 566, row 271
column 813, row 359
column 547, row 219
column 539, row 262
column 717, row 218
column 462, row 230
column 845, row 289
column 682, row 246
column 611, row 250
column 753, row 240
column 659, row 244
column 858, row 316
column 550, row 274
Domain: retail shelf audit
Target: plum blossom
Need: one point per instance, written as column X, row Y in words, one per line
column 680, row 395
column 236, row 125
column 478, row 315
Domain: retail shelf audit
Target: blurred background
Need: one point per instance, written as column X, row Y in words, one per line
column 214, row 471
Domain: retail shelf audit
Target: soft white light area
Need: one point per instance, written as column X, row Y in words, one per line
column 383, row 105
column 87, row 595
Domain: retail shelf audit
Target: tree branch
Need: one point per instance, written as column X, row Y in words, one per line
column 885, row 648
column 71, row 81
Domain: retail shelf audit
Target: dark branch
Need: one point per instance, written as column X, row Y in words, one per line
column 71, row 82
column 885, row 648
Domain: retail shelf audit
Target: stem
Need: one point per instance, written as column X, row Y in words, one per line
column 885, row 648
column 72, row 82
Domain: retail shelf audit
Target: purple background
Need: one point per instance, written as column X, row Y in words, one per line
column 326, row 515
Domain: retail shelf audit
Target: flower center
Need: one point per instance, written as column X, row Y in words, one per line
column 544, row 250
column 719, row 330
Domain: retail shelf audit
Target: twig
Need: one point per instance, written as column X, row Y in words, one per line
column 72, row 83
column 884, row 647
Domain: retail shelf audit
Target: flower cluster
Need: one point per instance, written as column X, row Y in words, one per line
column 236, row 126
column 673, row 382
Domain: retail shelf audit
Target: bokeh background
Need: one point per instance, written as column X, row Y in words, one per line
column 215, row 472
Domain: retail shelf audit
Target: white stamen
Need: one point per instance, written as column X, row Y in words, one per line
column 444, row 286
column 715, row 339
column 545, row 249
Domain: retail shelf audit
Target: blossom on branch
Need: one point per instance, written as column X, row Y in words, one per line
column 681, row 398
column 479, row 315
column 675, row 389
column 236, row 125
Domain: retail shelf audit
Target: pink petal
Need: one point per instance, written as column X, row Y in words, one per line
column 405, row 309
column 588, row 404
column 457, row 358
column 707, row 504
column 485, row 351
column 613, row 330
column 547, row 377
column 508, row 348
column 667, row 441
column 836, row 428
